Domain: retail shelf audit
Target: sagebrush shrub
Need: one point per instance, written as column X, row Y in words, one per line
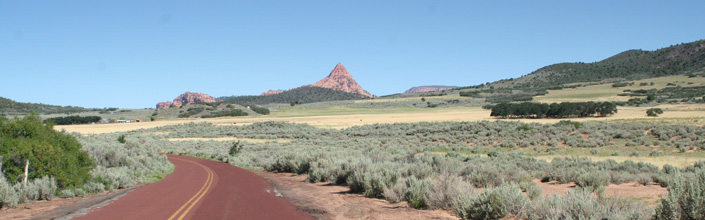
column 685, row 199
column 492, row 203
column 416, row 193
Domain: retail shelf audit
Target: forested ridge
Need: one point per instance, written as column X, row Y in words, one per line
column 632, row 64
column 11, row 106
column 306, row 94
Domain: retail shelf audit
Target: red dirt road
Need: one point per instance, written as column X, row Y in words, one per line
column 201, row 189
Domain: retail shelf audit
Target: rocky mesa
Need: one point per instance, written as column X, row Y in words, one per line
column 420, row 89
column 272, row 92
column 340, row 79
column 186, row 98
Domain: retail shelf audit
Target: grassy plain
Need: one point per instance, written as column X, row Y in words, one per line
column 343, row 117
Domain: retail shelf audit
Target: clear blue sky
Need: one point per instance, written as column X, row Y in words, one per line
column 133, row 54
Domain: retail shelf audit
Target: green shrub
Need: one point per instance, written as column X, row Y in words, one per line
column 235, row 148
column 416, row 193
column 493, row 203
column 532, row 190
column 121, row 139
column 593, row 180
column 654, row 112
column 50, row 153
column 685, row 199
column 583, row 204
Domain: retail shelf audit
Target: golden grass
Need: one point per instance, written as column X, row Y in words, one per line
column 347, row 118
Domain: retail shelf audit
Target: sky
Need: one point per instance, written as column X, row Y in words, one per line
column 133, row 54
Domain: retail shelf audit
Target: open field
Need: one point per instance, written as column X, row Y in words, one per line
column 605, row 92
column 391, row 159
column 342, row 117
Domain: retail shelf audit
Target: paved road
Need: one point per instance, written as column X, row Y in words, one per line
column 201, row 189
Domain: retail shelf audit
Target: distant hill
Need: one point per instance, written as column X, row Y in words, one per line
column 420, row 89
column 8, row 106
column 682, row 59
column 632, row 64
column 306, row 94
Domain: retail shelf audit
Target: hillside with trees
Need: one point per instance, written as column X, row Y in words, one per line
column 683, row 59
column 306, row 94
column 9, row 106
column 679, row 59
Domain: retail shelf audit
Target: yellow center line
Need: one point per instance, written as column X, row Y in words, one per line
column 197, row 197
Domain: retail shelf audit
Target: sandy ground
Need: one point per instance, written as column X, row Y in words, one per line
column 344, row 121
column 649, row 194
column 325, row 201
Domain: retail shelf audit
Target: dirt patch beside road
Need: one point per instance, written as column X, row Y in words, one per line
column 325, row 201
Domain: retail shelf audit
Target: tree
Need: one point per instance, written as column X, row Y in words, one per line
column 235, row 148
column 654, row 112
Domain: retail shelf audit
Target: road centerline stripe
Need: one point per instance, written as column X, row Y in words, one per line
column 197, row 197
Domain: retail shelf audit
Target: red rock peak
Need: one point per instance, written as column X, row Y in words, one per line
column 340, row 79
column 340, row 70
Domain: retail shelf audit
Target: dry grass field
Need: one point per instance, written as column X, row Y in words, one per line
column 342, row 117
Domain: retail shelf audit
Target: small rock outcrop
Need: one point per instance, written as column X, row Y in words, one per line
column 186, row 98
column 420, row 89
column 341, row 80
column 272, row 92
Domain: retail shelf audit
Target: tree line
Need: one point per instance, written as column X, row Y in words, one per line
column 74, row 119
column 554, row 110
column 306, row 94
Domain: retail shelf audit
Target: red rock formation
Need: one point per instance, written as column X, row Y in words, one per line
column 420, row 89
column 340, row 79
column 163, row 105
column 187, row 98
column 272, row 92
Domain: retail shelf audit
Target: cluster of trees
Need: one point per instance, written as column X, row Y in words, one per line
column 50, row 153
column 74, row 119
column 306, row 94
column 554, row 110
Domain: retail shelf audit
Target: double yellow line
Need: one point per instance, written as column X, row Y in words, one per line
column 186, row 208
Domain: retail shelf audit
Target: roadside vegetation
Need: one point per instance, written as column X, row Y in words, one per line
column 69, row 165
column 444, row 165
